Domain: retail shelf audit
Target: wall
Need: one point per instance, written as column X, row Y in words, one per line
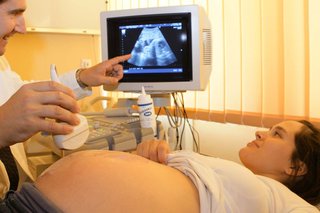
column 31, row 54
column 61, row 14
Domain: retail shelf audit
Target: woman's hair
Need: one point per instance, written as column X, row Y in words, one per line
column 307, row 143
column 2, row 1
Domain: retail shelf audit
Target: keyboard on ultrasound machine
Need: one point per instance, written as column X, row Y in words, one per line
column 116, row 133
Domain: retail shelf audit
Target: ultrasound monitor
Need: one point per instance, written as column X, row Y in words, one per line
column 170, row 47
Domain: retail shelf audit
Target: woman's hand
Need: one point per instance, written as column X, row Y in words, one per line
column 108, row 72
column 154, row 150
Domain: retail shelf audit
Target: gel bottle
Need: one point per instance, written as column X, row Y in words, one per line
column 146, row 112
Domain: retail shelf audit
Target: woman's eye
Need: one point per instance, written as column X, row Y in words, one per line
column 276, row 133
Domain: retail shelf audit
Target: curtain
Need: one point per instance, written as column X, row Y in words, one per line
column 266, row 60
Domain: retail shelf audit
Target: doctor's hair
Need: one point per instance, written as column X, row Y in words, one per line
column 307, row 143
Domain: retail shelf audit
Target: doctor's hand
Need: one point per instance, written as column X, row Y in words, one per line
column 154, row 150
column 26, row 112
column 108, row 72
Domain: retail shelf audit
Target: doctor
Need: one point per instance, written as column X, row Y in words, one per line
column 24, row 106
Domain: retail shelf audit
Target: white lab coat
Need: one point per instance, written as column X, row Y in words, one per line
column 10, row 82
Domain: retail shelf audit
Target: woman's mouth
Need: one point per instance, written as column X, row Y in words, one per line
column 253, row 143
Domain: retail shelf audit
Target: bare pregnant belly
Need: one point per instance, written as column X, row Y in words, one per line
column 109, row 181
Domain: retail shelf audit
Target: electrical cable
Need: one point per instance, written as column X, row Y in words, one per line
column 179, row 118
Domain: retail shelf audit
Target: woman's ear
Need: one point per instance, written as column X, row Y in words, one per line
column 298, row 170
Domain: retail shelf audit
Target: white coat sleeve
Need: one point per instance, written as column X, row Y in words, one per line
column 69, row 79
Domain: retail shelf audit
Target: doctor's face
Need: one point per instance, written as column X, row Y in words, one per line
column 11, row 20
column 270, row 153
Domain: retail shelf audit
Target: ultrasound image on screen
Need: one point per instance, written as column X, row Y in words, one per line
column 152, row 49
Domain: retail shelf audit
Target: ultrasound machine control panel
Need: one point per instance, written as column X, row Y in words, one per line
column 109, row 133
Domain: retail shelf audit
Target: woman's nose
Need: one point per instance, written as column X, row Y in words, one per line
column 260, row 135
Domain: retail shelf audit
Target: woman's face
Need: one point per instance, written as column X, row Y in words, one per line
column 270, row 153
